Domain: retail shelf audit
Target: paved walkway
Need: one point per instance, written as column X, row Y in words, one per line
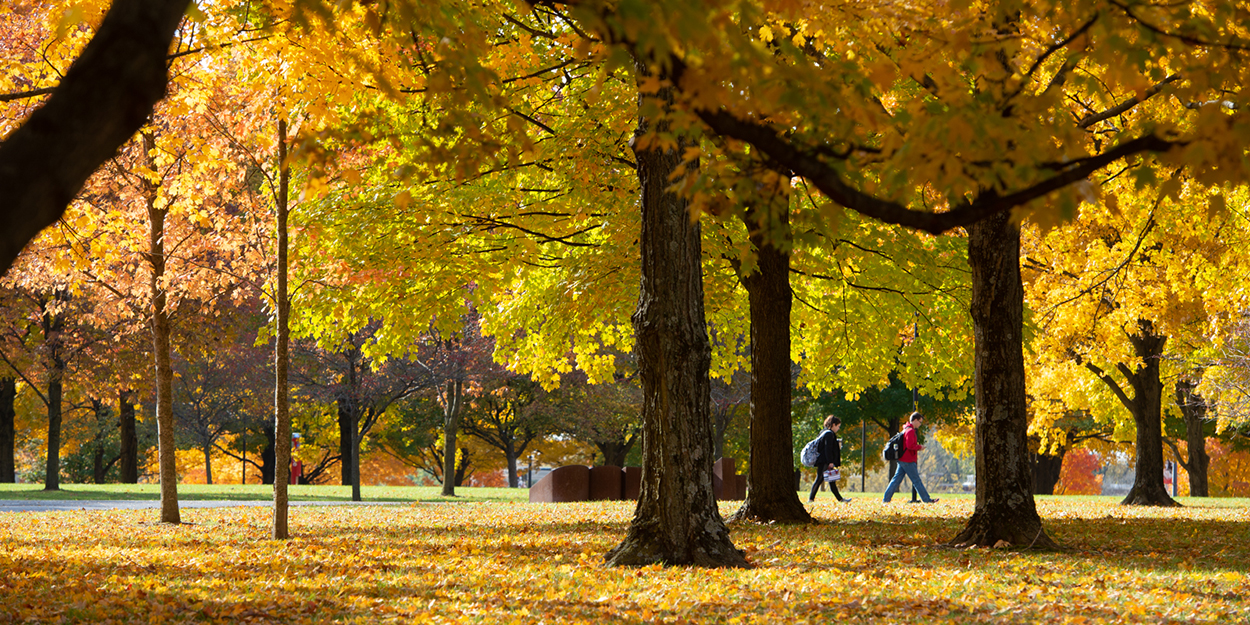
column 37, row 505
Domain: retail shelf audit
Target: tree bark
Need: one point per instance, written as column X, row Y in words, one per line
column 676, row 521
column 1046, row 471
column 129, row 463
column 451, row 424
column 342, row 403
column 1005, row 509
column 1194, row 409
column 53, row 326
column 268, row 454
column 166, row 446
column 8, row 413
column 1147, row 409
column 208, row 464
column 615, row 452
column 105, row 96
column 771, row 496
column 281, row 399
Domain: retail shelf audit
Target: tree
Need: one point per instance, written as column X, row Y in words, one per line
column 508, row 415
column 102, row 100
column 676, row 521
column 8, row 395
column 874, row 155
column 1194, row 413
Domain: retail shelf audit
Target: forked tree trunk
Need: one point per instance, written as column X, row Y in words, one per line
column 166, row 446
column 676, row 521
column 1147, row 409
column 129, row 456
column 1194, row 409
column 771, row 496
column 451, row 396
column 1146, row 406
column 1005, row 509
column 8, row 413
column 615, row 452
column 281, row 398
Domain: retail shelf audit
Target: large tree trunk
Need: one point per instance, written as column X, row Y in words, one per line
column 1194, row 409
column 102, row 100
column 451, row 397
column 129, row 462
column 511, row 456
column 166, row 447
column 8, row 396
column 1005, row 509
column 771, row 496
column 281, row 400
column 615, row 452
column 676, row 521
column 1046, row 471
column 53, row 325
column 1147, row 409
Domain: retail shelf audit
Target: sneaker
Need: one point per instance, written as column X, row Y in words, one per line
column 932, row 501
column 844, row 501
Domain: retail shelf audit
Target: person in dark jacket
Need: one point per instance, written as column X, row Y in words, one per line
column 829, row 456
column 907, row 462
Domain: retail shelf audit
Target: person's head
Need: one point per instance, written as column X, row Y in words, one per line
column 832, row 423
column 916, row 419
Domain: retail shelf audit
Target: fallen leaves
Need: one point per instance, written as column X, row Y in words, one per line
column 525, row 563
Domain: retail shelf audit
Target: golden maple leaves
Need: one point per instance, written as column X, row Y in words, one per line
column 433, row 563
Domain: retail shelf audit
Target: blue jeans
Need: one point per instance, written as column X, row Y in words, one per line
column 913, row 474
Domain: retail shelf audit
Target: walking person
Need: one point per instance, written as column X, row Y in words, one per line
column 829, row 457
column 907, row 462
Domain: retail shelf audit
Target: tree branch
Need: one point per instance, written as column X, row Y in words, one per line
column 107, row 95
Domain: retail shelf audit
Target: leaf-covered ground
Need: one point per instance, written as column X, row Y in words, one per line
column 529, row 563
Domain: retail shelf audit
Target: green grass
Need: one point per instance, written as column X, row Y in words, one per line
column 258, row 492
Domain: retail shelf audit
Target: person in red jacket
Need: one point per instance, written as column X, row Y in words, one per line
column 907, row 462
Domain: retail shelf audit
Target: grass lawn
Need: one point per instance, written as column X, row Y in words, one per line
column 258, row 492
column 500, row 561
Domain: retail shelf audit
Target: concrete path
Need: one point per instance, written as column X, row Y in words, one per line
column 37, row 505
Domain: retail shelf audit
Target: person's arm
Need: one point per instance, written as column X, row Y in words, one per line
column 911, row 440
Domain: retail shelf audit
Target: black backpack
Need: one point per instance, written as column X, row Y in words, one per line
column 893, row 449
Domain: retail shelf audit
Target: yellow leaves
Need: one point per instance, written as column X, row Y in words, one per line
column 518, row 562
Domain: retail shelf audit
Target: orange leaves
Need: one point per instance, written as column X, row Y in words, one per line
column 515, row 562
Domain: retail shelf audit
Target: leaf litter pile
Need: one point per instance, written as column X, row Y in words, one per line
column 530, row 563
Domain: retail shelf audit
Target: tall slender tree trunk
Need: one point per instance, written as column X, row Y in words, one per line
column 268, row 454
column 451, row 396
column 129, row 462
column 208, row 464
column 771, row 496
column 281, row 399
column 53, row 326
column 343, row 404
column 676, row 521
column 166, row 447
column 1194, row 409
column 1005, row 509
column 8, row 414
